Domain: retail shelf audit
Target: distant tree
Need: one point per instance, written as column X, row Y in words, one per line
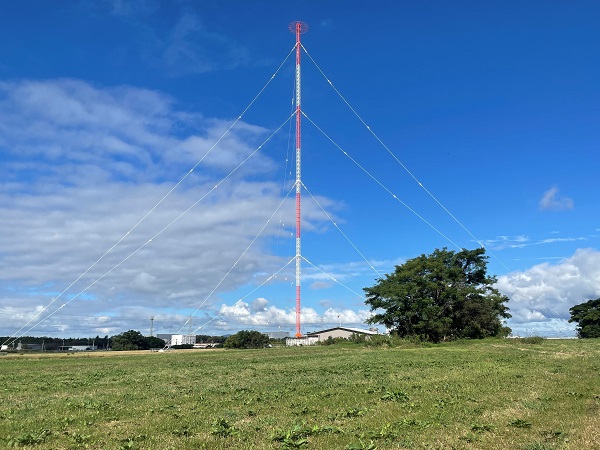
column 587, row 316
column 247, row 339
column 155, row 342
column 211, row 339
column 129, row 340
column 442, row 296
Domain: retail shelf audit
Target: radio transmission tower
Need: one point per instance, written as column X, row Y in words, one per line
column 298, row 28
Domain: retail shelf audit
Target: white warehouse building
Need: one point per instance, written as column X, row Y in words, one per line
column 323, row 335
column 178, row 339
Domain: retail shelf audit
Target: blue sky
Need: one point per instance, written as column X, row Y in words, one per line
column 106, row 106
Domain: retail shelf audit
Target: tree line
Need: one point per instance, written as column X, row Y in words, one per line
column 128, row 340
column 54, row 343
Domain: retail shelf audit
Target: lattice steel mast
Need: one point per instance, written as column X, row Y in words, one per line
column 298, row 28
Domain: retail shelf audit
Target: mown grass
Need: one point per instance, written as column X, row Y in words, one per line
column 493, row 394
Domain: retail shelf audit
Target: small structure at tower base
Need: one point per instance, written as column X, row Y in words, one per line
column 301, row 341
column 330, row 333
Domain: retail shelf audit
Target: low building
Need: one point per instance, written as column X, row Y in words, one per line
column 177, row 339
column 301, row 341
column 340, row 332
column 323, row 335
column 77, row 348
column 183, row 339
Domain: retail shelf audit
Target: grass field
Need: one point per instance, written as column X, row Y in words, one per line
column 494, row 394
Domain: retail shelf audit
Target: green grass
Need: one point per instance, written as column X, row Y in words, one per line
column 494, row 394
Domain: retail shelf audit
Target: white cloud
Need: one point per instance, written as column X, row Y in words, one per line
column 242, row 314
column 551, row 201
column 83, row 165
column 522, row 241
column 545, row 292
column 192, row 48
column 554, row 240
column 502, row 242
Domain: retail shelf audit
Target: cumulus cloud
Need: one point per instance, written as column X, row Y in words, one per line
column 545, row 292
column 552, row 201
column 242, row 314
column 83, row 165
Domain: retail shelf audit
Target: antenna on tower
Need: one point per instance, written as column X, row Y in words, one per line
column 151, row 326
column 298, row 28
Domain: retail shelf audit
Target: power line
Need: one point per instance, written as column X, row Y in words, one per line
column 406, row 169
column 381, row 184
column 342, row 233
column 161, row 200
column 245, row 251
column 153, row 237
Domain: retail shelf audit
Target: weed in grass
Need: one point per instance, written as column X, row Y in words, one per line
column 520, row 423
column 300, row 409
column 221, row 427
column 288, row 443
column 395, row 396
column 353, row 412
column 481, row 427
column 575, row 394
column 325, row 429
column 80, row 439
column 442, row 403
column 29, row 439
column 386, row 433
column 414, row 423
column 127, row 444
column 182, row 432
column 297, row 436
column 294, row 438
column 551, row 435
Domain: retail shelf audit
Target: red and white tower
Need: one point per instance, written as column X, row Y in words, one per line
column 298, row 28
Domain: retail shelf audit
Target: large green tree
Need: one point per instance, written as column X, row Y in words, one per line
column 247, row 339
column 134, row 340
column 587, row 316
column 441, row 296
